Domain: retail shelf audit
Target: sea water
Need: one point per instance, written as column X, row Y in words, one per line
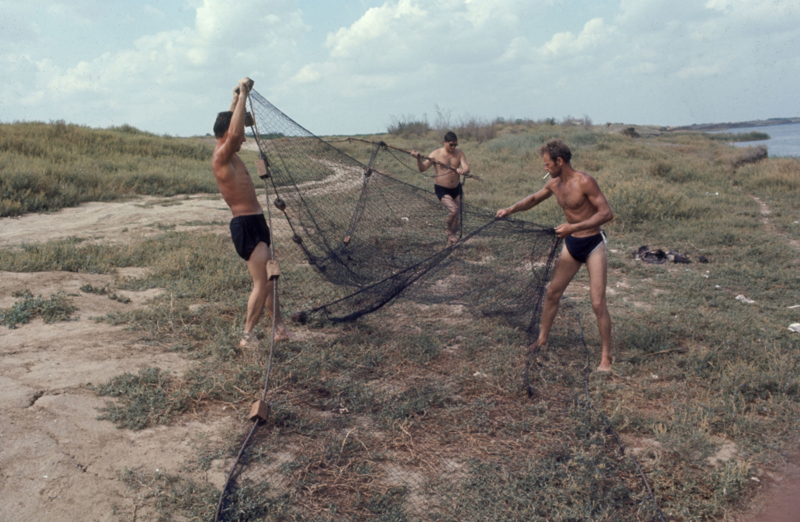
column 784, row 140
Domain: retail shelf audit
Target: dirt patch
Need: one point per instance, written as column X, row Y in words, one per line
column 112, row 222
column 57, row 461
column 779, row 497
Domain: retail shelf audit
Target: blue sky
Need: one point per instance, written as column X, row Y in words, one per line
column 349, row 67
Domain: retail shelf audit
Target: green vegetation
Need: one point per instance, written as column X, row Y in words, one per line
column 57, row 308
column 45, row 167
column 744, row 136
column 694, row 369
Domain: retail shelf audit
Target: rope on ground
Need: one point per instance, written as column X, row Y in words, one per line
column 257, row 421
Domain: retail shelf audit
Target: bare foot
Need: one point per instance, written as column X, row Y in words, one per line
column 605, row 365
column 249, row 340
column 451, row 240
column 284, row 334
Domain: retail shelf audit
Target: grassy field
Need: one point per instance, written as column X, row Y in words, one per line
column 695, row 368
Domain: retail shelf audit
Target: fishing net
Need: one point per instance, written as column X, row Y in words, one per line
column 416, row 429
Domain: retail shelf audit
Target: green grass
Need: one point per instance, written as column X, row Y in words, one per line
column 694, row 367
column 57, row 308
column 48, row 166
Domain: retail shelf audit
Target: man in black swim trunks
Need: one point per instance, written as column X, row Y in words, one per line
column 448, row 182
column 586, row 209
column 249, row 230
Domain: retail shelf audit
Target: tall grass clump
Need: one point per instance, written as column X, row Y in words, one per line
column 407, row 125
column 776, row 177
column 744, row 136
column 48, row 166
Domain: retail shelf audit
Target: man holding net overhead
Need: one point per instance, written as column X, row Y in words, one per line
column 249, row 230
column 447, row 184
column 586, row 209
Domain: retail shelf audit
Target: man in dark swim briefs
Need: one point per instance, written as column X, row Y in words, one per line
column 249, row 230
column 448, row 181
column 585, row 208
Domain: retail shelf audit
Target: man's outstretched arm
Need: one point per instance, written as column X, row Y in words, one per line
column 525, row 204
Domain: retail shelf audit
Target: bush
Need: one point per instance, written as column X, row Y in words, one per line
column 406, row 125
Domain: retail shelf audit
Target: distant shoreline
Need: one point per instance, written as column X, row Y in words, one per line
column 737, row 125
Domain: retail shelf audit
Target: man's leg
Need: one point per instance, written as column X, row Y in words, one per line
column 565, row 270
column 262, row 294
column 598, row 274
column 453, row 207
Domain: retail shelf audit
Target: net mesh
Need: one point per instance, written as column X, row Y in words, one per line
column 415, row 430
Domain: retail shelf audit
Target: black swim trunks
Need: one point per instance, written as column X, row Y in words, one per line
column 580, row 248
column 247, row 232
column 444, row 191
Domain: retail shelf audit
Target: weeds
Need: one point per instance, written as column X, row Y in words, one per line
column 57, row 308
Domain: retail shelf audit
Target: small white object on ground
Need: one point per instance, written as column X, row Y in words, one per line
column 794, row 327
column 795, row 306
column 479, row 374
column 743, row 299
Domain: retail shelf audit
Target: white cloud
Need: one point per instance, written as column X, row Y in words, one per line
column 308, row 74
column 593, row 34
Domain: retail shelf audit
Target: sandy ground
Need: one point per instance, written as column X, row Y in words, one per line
column 57, row 461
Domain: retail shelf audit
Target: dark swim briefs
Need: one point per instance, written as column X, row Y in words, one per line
column 580, row 248
column 444, row 191
column 247, row 232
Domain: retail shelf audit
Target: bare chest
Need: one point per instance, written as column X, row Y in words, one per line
column 569, row 196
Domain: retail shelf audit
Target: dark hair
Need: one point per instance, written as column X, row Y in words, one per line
column 222, row 123
column 555, row 148
column 450, row 136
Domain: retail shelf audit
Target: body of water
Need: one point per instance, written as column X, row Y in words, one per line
column 784, row 139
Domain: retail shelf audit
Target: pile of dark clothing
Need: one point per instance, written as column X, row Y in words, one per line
column 657, row 257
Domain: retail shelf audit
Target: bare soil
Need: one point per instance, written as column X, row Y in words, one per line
column 57, row 461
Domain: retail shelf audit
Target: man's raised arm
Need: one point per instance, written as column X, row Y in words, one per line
column 236, row 128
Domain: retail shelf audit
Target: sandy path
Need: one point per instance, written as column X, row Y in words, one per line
column 113, row 221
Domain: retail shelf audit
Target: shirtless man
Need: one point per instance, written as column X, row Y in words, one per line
column 585, row 208
column 249, row 229
column 448, row 182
